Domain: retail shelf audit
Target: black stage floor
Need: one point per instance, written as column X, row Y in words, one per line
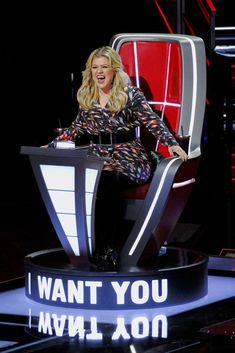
column 205, row 325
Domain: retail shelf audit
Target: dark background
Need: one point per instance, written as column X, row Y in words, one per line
column 41, row 46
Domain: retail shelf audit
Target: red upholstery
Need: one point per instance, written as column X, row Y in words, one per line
column 157, row 71
column 159, row 76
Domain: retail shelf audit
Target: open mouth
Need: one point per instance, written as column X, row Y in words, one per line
column 101, row 79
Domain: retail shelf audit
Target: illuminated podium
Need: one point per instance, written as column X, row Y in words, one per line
column 68, row 180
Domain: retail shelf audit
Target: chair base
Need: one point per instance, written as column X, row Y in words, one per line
column 177, row 276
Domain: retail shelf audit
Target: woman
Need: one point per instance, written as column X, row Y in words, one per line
column 110, row 109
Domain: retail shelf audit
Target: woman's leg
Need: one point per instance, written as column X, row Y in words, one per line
column 109, row 212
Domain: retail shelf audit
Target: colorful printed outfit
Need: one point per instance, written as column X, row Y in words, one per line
column 128, row 158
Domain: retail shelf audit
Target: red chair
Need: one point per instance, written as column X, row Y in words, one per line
column 171, row 71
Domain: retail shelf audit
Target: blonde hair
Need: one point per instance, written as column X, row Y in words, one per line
column 88, row 92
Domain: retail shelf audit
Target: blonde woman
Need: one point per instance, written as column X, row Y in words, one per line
column 109, row 111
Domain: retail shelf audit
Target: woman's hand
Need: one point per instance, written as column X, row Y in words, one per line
column 176, row 149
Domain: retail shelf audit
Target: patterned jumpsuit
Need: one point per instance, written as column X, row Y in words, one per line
column 129, row 161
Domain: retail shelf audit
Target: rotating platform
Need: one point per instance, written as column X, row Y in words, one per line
column 176, row 276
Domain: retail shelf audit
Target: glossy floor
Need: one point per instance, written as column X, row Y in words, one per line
column 206, row 325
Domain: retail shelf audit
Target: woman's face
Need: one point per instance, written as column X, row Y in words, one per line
column 102, row 73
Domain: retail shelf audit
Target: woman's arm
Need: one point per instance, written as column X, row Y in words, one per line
column 75, row 130
column 144, row 113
